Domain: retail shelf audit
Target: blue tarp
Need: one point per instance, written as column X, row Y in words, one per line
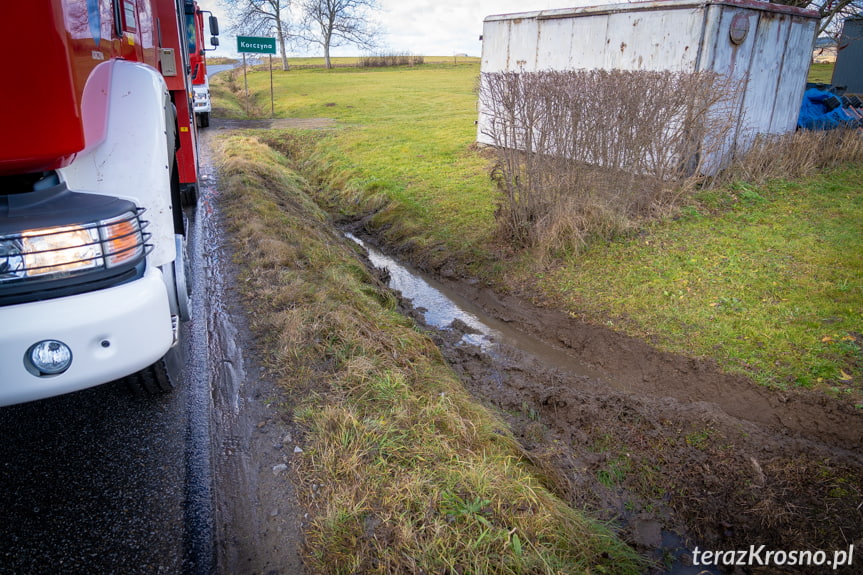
column 815, row 114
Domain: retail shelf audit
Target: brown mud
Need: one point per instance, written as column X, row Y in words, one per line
column 672, row 450
column 258, row 521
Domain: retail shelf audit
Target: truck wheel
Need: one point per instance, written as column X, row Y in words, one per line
column 204, row 117
column 153, row 380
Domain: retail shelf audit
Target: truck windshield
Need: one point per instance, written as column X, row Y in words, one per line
column 191, row 35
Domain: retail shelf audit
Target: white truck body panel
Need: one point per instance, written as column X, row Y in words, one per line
column 132, row 162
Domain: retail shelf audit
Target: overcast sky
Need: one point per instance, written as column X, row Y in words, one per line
column 426, row 27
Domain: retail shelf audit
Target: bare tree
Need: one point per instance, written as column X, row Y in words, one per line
column 263, row 18
column 832, row 12
column 332, row 23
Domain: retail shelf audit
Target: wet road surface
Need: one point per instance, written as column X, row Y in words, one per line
column 101, row 481
column 94, row 482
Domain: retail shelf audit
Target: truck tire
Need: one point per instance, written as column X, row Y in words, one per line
column 151, row 381
column 204, row 119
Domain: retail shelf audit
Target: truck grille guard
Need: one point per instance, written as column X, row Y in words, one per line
column 67, row 259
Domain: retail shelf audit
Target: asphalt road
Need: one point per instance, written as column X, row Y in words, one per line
column 101, row 481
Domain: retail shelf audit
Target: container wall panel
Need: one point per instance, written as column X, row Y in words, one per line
column 849, row 57
column 522, row 45
column 589, row 43
column 555, row 41
column 653, row 40
column 792, row 78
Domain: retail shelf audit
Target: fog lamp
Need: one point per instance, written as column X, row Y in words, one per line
column 50, row 357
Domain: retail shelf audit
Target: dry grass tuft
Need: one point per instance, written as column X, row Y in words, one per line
column 796, row 155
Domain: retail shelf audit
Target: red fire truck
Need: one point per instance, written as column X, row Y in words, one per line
column 198, row 60
column 97, row 161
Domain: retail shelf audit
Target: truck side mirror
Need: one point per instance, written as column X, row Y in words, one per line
column 214, row 41
column 214, row 27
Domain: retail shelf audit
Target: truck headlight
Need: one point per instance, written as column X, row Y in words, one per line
column 58, row 250
column 66, row 250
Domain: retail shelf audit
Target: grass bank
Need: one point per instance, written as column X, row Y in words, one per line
column 401, row 471
column 765, row 278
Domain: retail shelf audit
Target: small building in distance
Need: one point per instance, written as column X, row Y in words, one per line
column 825, row 50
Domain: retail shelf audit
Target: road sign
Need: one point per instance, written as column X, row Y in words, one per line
column 256, row 45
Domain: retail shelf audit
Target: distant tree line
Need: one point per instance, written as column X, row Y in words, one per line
column 383, row 60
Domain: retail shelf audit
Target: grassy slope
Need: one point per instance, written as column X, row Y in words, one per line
column 401, row 471
column 424, row 166
column 748, row 277
column 742, row 277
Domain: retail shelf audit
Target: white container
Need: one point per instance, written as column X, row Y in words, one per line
column 764, row 49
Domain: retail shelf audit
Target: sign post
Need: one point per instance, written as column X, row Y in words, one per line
column 258, row 45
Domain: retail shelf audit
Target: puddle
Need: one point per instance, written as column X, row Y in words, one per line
column 442, row 307
column 439, row 308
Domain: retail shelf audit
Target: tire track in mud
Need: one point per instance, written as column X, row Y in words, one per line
column 257, row 523
column 634, row 367
column 667, row 445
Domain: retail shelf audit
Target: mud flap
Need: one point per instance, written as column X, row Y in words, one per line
column 176, row 277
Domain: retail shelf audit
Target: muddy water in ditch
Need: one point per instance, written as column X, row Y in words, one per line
column 442, row 308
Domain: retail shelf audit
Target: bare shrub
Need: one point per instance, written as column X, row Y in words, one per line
column 233, row 81
column 583, row 152
column 392, row 59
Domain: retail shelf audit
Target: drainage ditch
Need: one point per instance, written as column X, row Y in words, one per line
column 467, row 331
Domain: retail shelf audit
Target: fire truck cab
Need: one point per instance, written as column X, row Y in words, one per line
column 97, row 162
column 198, row 61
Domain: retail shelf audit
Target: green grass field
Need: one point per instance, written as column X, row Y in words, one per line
column 821, row 73
column 425, row 163
column 768, row 280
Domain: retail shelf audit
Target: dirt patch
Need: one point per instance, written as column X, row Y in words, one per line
column 258, row 521
column 675, row 452
column 632, row 366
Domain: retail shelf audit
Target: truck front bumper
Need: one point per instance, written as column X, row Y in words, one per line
column 112, row 333
column 201, row 101
column 202, row 106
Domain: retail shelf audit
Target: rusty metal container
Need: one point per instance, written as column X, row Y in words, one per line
column 765, row 49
